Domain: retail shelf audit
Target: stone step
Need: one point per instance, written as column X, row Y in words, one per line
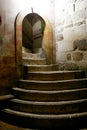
column 54, row 75
column 49, row 96
column 35, row 68
column 32, row 61
column 46, row 121
column 53, row 85
column 62, row 107
column 30, row 55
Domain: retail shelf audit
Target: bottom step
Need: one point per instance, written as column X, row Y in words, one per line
column 46, row 121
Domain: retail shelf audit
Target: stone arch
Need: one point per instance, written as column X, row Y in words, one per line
column 48, row 40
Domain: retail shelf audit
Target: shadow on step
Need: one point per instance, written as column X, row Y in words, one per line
column 37, row 124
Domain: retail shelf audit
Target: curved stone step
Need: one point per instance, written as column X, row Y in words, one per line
column 39, row 121
column 54, row 75
column 35, row 68
column 32, row 61
column 53, row 85
column 30, row 55
column 46, row 116
column 61, row 107
column 62, row 95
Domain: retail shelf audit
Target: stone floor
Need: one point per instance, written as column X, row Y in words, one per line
column 6, row 126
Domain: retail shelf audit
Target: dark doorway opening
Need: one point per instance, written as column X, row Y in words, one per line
column 33, row 27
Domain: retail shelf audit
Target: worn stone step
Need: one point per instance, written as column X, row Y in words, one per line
column 62, row 95
column 30, row 55
column 61, row 107
column 53, row 85
column 34, row 68
column 32, row 61
column 54, row 75
column 40, row 121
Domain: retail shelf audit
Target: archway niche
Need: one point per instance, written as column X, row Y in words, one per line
column 48, row 40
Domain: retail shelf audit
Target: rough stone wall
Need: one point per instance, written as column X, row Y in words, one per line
column 71, row 34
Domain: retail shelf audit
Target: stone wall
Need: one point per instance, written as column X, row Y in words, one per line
column 71, row 33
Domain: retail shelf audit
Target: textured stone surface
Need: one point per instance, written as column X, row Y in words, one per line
column 83, row 65
column 77, row 56
column 68, row 66
column 80, row 44
column 69, row 57
column 85, row 55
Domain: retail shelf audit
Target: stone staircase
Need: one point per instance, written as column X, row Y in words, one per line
column 48, row 98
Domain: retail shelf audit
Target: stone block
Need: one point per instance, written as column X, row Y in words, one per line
column 83, row 66
column 68, row 66
column 77, row 56
column 80, row 44
column 71, row 66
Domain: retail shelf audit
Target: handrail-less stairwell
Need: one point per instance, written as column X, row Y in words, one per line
column 48, row 98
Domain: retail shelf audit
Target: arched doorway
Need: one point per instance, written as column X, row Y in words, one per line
column 48, row 40
column 33, row 27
